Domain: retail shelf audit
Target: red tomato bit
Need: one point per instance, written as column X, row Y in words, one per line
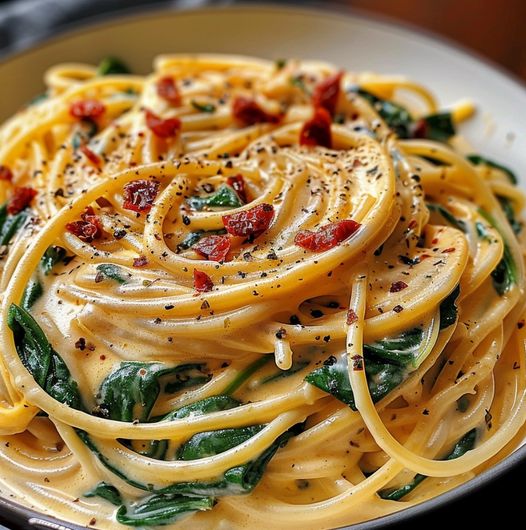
column 20, row 198
column 352, row 317
column 87, row 109
column 89, row 228
column 160, row 127
column 326, row 237
column 141, row 261
column 5, row 173
column 213, row 248
column 317, row 130
column 396, row 287
column 94, row 158
column 326, row 93
column 251, row 222
column 248, row 112
column 139, row 195
column 238, row 183
column 167, row 90
column 202, row 282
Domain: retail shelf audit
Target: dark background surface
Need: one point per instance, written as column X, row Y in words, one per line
column 494, row 29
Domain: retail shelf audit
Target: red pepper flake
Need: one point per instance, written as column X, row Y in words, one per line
column 326, row 93
column 424, row 256
column 162, row 128
column 139, row 195
column 141, row 261
column 238, row 183
column 249, row 112
column 88, row 228
column 434, row 241
column 5, row 173
column 420, row 129
column 317, row 130
column 398, row 308
column 352, row 317
column 20, row 198
column 87, row 109
column 357, row 363
column 411, row 224
column 448, row 250
column 326, row 237
column 202, row 282
column 252, row 222
column 94, row 158
column 213, row 248
column 167, row 90
column 397, row 287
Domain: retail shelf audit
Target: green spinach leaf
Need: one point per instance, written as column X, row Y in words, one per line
column 478, row 160
column 448, row 216
column 449, row 309
column 509, row 212
column 112, row 65
column 113, row 272
column 203, row 107
column 224, row 197
column 107, row 492
column 438, row 127
column 10, row 224
column 401, row 349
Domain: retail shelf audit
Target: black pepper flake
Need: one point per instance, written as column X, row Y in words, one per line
column 81, row 344
column 157, row 320
column 520, row 324
column 205, row 305
column 330, row 361
column 316, row 313
column 186, row 220
column 425, row 412
column 398, row 308
column 119, row 233
column 294, row 320
column 487, row 418
column 327, row 338
column 281, row 333
column 169, row 306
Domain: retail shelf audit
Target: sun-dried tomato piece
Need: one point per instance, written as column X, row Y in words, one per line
column 87, row 109
column 141, row 261
column 213, row 248
column 238, row 183
column 88, row 228
column 396, row 287
column 252, row 222
column 352, row 317
column 20, row 198
column 167, row 90
column 202, row 282
column 163, row 128
column 326, row 93
column 326, row 237
column 317, row 130
column 5, row 173
column 94, row 158
column 248, row 112
column 139, row 195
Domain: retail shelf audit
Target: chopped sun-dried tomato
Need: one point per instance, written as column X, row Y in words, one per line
column 238, row 183
column 94, row 158
column 202, row 282
column 252, row 222
column 163, row 128
column 326, row 93
column 139, row 195
column 249, row 112
column 20, row 198
column 87, row 109
column 5, row 173
column 352, row 317
column 213, row 248
column 326, row 237
column 167, row 90
column 317, row 130
column 88, row 228
column 396, row 287
column 141, row 261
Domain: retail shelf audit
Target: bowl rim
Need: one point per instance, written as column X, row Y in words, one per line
column 12, row 512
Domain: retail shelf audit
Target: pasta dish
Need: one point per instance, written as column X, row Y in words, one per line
column 239, row 293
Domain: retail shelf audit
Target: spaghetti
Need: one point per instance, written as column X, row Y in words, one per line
column 239, row 293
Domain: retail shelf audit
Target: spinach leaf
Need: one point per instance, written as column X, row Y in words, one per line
column 52, row 256
column 465, row 444
column 244, row 375
column 42, row 361
column 505, row 274
column 401, row 349
column 509, row 212
column 224, row 197
column 397, row 117
column 297, row 366
column 333, row 378
column 447, row 215
column 203, row 107
column 162, row 509
column 107, row 492
column 478, row 160
column 10, row 224
column 449, row 309
column 130, row 392
column 112, row 65
column 482, row 231
column 32, row 293
column 193, row 237
column 113, row 272
column 204, row 406
column 210, row 443
column 439, row 127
